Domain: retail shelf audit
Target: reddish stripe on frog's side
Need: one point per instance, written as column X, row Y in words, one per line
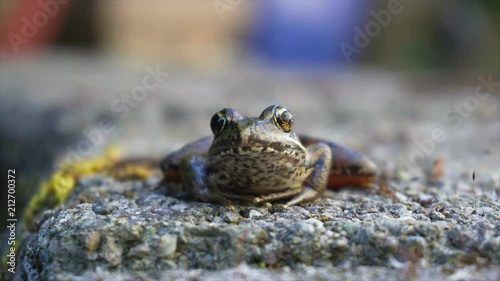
column 336, row 182
column 172, row 176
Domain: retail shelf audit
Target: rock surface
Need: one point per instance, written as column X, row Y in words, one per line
column 111, row 230
column 130, row 229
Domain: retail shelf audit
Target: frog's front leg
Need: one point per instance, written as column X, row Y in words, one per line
column 195, row 179
column 349, row 167
column 319, row 161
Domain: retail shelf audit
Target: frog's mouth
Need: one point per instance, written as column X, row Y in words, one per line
column 283, row 149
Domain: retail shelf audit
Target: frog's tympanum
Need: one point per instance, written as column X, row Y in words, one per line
column 261, row 159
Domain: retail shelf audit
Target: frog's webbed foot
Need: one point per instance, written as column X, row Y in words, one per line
column 306, row 194
column 264, row 200
column 239, row 197
column 277, row 196
column 320, row 162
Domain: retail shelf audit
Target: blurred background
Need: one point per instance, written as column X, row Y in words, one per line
column 374, row 75
column 209, row 35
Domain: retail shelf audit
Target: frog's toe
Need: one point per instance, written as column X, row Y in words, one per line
column 257, row 200
column 230, row 207
column 307, row 194
column 288, row 204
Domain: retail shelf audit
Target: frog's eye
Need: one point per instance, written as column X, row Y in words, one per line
column 218, row 122
column 221, row 119
column 283, row 118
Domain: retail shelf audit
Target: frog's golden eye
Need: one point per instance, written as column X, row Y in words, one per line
column 218, row 122
column 284, row 119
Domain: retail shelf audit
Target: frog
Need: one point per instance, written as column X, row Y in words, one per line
column 261, row 160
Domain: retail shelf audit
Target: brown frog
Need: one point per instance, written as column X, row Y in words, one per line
column 261, row 159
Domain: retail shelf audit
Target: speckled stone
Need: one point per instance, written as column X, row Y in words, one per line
column 111, row 230
column 151, row 232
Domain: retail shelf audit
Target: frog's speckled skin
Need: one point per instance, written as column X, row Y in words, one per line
column 261, row 159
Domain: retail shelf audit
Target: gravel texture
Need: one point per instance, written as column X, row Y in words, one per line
column 129, row 229
column 110, row 230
